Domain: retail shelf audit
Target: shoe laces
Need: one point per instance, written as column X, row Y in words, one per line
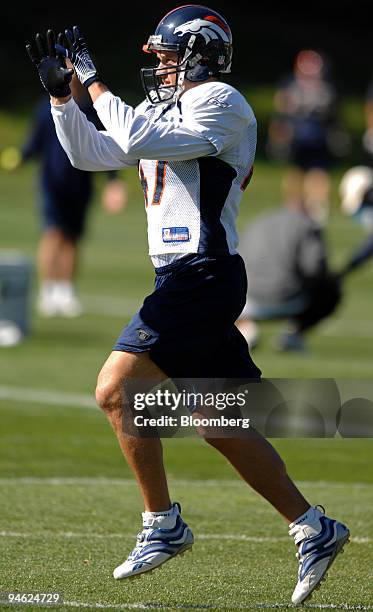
column 142, row 538
column 140, row 543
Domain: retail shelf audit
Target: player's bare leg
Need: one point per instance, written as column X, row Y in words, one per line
column 262, row 468
column 67, row 302
column 57, row 258
column 253, row 457
column 319, row 539
column 48, row 252
column 164, row 534
column 68, row 259
column 49, row 249
column 144, row 455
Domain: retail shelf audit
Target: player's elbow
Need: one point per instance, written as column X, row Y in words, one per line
column 79, row 163
column 131, row 148
column 136, row 143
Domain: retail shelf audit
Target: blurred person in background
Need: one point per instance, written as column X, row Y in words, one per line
column 356, row 193
column 288, row 275
column 66, row 194
column 368, row 134
column 302, row 132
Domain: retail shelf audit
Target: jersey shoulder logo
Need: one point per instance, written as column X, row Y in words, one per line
column 210, row 28
column 218, row 102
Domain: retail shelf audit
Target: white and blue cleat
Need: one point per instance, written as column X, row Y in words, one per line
column 319, row 542
column 163, row 537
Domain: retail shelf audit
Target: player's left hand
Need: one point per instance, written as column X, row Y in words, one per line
column 73, row 45
column 54, row 75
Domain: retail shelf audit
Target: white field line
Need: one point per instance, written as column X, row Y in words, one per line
column 210, row 482
column 312, row 606
column 68, row 535
column 238, row 606
column 128, row 606
column 45, row 396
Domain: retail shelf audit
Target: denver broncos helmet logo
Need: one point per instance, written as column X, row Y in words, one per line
column 209, row 27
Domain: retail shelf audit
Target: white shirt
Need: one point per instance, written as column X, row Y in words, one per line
column 194, row 158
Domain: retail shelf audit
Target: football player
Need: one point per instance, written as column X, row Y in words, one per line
column 194, row 140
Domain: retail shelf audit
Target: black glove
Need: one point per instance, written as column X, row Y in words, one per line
column 74, row 46
column 52, row 70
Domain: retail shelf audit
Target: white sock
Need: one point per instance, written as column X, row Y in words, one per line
column 64, row 288
column 47, row 287
column 308, row 518
column 164, row 518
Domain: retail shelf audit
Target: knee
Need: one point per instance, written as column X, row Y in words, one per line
column 108, row 396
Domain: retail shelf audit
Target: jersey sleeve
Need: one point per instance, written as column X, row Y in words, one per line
column 220, row 115
column 211, row 120
column 142, row 135
column 206, row 121
column 86, row 147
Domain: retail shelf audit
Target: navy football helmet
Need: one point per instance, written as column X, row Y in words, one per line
column 202, row 40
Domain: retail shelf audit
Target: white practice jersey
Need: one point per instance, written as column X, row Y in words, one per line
column 194, row 156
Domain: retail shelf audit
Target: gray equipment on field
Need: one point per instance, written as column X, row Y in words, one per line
column 15, row 285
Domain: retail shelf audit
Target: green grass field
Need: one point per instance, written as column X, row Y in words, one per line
column 70, row 514
column 69, row 508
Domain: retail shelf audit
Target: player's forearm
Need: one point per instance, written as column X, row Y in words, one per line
column 59, row 101
column 115, row 115
column 96, row 89
column 86, row 147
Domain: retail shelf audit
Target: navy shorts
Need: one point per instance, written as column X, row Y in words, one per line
column 187, row 323
column 308, row 157
column 65, row 213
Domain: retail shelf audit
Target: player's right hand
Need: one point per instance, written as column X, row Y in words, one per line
column 73, row 45
column 51, row 67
